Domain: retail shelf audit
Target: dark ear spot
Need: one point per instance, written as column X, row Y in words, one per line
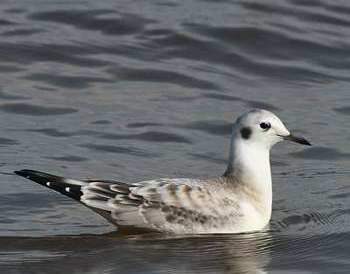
column 246, row 132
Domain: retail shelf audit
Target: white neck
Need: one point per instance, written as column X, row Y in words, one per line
column 249, row 164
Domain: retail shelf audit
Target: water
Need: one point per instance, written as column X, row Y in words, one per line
column 133, row 90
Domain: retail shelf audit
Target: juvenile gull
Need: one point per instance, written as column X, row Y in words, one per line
column 238, row 201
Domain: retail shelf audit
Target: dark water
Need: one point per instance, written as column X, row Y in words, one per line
column 137, row 90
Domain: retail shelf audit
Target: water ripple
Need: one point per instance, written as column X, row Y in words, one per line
column 321, row 153
column 119, row 24
column 303, row 14
column 32, row 53
column 119, row 150
column 21, row 32
column 7, row 142
column 212, row 127
column 66, row 81
column 69, row 158
column 343, row 110
column 35, row 110
column 161, row 76
column 150, row 136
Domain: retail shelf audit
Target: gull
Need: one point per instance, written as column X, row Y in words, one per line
column 239, row 201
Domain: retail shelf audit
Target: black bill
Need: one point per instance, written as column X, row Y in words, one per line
column 296, row 139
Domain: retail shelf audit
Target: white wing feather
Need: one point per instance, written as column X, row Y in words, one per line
column 174, row 205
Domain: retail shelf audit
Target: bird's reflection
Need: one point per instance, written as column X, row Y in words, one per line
column 151, row 253
column 245, row 253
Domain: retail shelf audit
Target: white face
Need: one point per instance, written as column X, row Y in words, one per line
column 260, row 127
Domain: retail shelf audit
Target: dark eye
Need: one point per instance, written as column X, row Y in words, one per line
column 265, row 126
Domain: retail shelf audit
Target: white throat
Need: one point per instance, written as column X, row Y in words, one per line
column 249, row 165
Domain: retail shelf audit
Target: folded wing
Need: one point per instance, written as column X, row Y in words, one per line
column 181, row 205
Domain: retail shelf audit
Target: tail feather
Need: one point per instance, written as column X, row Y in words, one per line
column 111, row 199
column 68, row 187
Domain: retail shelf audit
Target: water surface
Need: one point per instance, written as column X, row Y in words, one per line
column 132, row 91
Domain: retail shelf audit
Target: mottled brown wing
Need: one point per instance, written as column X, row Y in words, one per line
column 167, row 205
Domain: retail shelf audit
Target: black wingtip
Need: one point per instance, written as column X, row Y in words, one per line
column 22, row 172
column 18, row 172
column 26, row 172
column 53, row 182
column 38, row 176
